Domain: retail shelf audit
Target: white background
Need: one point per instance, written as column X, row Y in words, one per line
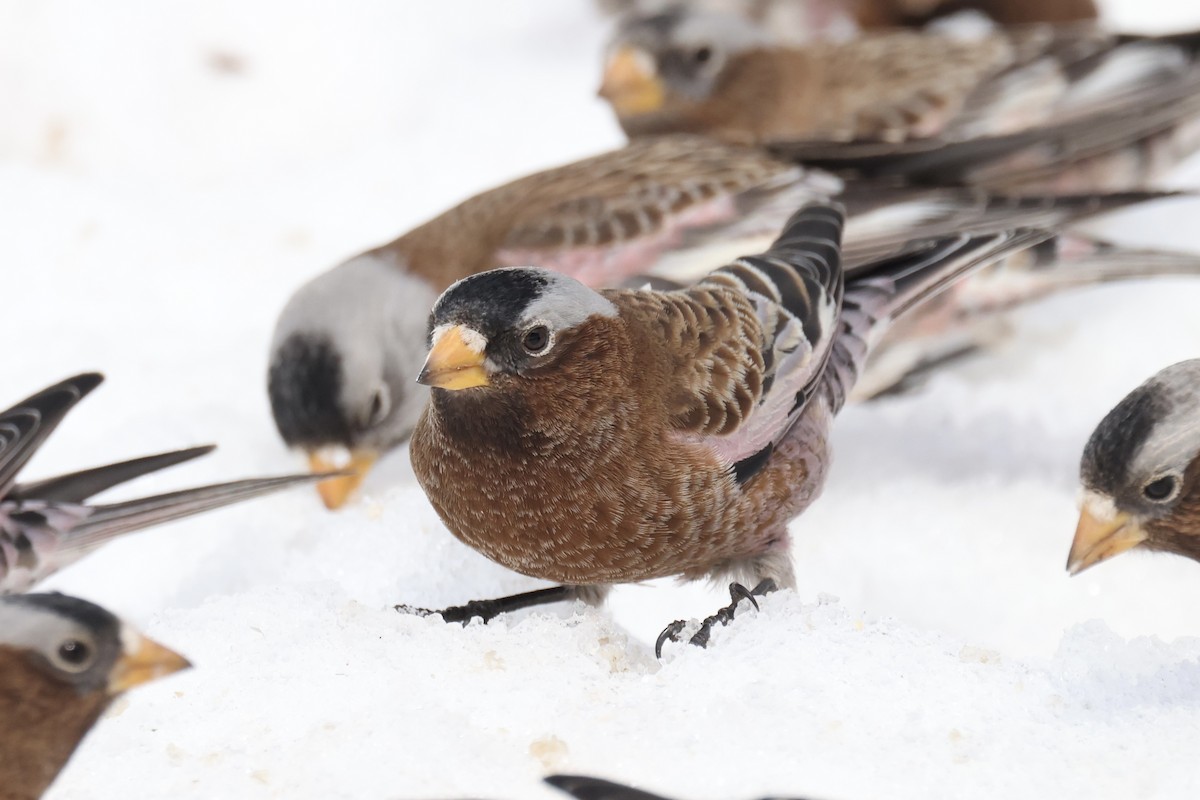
column 170, row 172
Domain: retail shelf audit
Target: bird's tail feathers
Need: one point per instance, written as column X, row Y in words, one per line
column 1067, row 261
column 888, row 222
column 107, row 521
column 585, row 787
column 901, row 284
column 873, row 301
column 76, row 487
column 1071, row 260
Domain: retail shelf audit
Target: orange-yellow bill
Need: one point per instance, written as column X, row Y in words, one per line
column 1100, row 536
column 143, row 660
column 631, row 84
column 336, row 491
column 455, row 361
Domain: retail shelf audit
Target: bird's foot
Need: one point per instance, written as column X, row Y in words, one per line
column 737, row 593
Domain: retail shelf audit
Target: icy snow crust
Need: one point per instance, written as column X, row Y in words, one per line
column 169, row 172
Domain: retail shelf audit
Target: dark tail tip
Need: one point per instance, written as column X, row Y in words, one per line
column 584, row 787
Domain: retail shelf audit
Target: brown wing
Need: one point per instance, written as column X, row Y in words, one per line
column 611, row 216
column 646, row 189
column 747, row 345
column 892, row 87
column 715, row 347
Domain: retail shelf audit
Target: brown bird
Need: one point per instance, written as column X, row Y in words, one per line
column 593, row 438
column 62, row 662
column 48, row 524
column 347, row 344
column 894, row 13
column 1004, row 109
column 806, row 20
column 1141, row 473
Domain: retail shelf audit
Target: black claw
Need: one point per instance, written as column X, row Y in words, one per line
column 765, row 587
column 416, row 611
column 671, row 633
column 737, row 593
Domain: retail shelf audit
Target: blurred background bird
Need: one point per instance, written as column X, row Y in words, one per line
column 48, row 524
column 63, row 661
column 805, row 20
column 1049, row 108
column 1141, row 473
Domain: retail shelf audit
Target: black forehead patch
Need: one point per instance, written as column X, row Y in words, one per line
column 490, row 302
column 89, row 615
column 304, row 384
column 1118, row 438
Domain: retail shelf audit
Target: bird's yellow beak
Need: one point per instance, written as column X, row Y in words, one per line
column 631, row 83
column 142, row 660
column 456, row 360
column 336, row 491
column 1102, row 533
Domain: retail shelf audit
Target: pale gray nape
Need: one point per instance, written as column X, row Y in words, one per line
column 1175, row 440
column 564, row 303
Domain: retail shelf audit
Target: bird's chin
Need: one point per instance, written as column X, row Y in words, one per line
column 355, row 463
column 1102, row 532
column 458, row 379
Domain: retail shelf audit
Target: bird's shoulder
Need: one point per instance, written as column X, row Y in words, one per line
column 703, row 347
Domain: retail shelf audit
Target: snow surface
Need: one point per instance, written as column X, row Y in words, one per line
column 169, row 172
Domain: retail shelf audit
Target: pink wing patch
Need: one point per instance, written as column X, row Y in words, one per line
column 609, row 264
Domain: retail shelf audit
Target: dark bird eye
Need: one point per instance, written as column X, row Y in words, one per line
column 1160, row 489
column 702, row 55
column 536, row 339
column 74, row 652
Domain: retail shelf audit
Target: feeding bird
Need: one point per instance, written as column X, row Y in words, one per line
column 591, row 438
column 48, row 524
column 63, row 661
column 1140, row 473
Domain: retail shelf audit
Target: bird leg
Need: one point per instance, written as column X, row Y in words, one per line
column 486, row 610
column 737, row 593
